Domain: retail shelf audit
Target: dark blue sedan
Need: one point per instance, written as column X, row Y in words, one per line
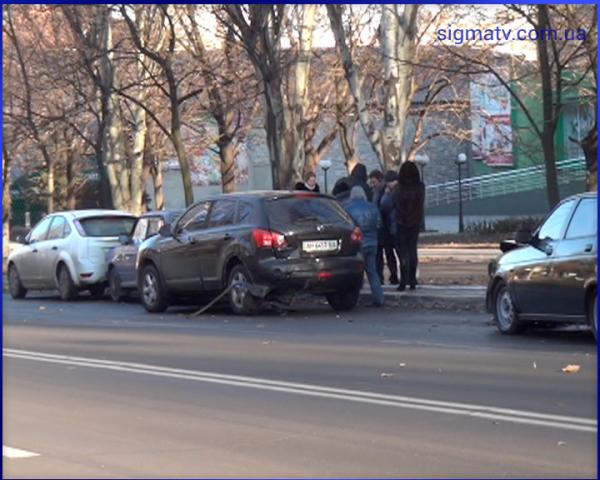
column 122, row 279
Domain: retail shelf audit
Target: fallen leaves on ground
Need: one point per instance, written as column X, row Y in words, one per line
column 571, row 369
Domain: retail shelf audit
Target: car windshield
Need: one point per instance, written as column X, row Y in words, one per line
column 305, row 209
column 107, row 226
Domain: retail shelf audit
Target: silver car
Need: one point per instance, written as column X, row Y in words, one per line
column 67, row 251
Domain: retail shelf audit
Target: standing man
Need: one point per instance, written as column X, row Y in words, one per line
column 357, row 176
column 368, row 219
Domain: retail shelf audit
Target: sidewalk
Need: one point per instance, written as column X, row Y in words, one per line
column 444, row 297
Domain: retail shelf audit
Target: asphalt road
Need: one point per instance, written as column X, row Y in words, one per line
column 96, row 389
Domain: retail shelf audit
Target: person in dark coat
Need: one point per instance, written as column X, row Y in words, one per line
column 368, row 219
column 377, row 184
column 387, row 242
column 408, row 205
column 357, row 177
column 309, row 185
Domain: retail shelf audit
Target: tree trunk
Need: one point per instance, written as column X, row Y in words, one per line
column 178, row 139
column 137, row 161
column 354, row 82
column 145, row 176
column 398, row 40
column 548, row 110
column 73, row 159
column 589, row 145
column 137, row 181
column 276, row 133
column 110, row 151
column 300, row 91
column 345, row 118
column 6, row 202
column 50, row 188
column 227, row 152
column 159, row 197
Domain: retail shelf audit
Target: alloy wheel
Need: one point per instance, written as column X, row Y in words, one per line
column 150, row 288
column 505, row 310
column 238, row 292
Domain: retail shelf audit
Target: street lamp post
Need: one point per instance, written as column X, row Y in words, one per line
column 422, row 159
column 460, row 161
column 325, row 165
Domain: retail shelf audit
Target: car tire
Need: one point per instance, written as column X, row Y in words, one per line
column 592, row 313
column 241, row 301
column 153, row 295
column 97, row 291
column 16, row 288
column 343, row 301
column 66, row 287
column 114, row 286
column 505, row 315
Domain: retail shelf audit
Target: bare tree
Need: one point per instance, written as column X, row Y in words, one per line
column 398, row 32
column 165, row 58
column 230, row 100
column 28, row 103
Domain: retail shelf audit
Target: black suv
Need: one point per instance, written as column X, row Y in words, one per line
column 261, row 245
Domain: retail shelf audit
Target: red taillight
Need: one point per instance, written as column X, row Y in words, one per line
column 267, row 238
column 356, row 235
column 325, row 275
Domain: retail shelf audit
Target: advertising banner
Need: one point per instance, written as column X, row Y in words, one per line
column 491, row 129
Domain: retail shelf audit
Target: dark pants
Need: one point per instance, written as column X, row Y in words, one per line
column 386, row 245
column 406, row 245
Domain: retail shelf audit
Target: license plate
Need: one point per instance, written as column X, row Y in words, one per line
column 320, row 245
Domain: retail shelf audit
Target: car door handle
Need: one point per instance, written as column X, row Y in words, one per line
column 227, row 236
column 35, row 250
column 54, row 248
column 588, row 247
column 192, row 241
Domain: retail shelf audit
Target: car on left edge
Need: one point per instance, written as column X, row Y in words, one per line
column 67, row 251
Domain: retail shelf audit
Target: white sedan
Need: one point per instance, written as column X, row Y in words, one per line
column 67, row 251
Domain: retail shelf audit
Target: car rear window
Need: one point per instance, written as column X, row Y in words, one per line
column 305, row 209
column 107, row 226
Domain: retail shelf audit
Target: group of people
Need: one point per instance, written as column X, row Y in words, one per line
column 388, row 208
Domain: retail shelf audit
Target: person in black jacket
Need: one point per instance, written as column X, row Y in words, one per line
column 408, row 205
column 383, row 199
column 357, row 177
column 309, row 185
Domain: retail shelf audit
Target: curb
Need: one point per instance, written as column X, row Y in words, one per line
column 454, row 299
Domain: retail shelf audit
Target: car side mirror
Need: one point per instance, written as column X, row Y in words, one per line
column 124, row 239
column 27, row 239
column 523, row 236
column 165, row 231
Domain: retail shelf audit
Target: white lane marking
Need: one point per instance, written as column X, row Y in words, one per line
column 455, row 408
column 10, row 452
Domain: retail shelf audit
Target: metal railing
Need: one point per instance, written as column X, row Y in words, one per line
column 503, row 183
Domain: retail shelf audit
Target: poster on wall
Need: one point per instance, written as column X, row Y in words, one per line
column 491, row 129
